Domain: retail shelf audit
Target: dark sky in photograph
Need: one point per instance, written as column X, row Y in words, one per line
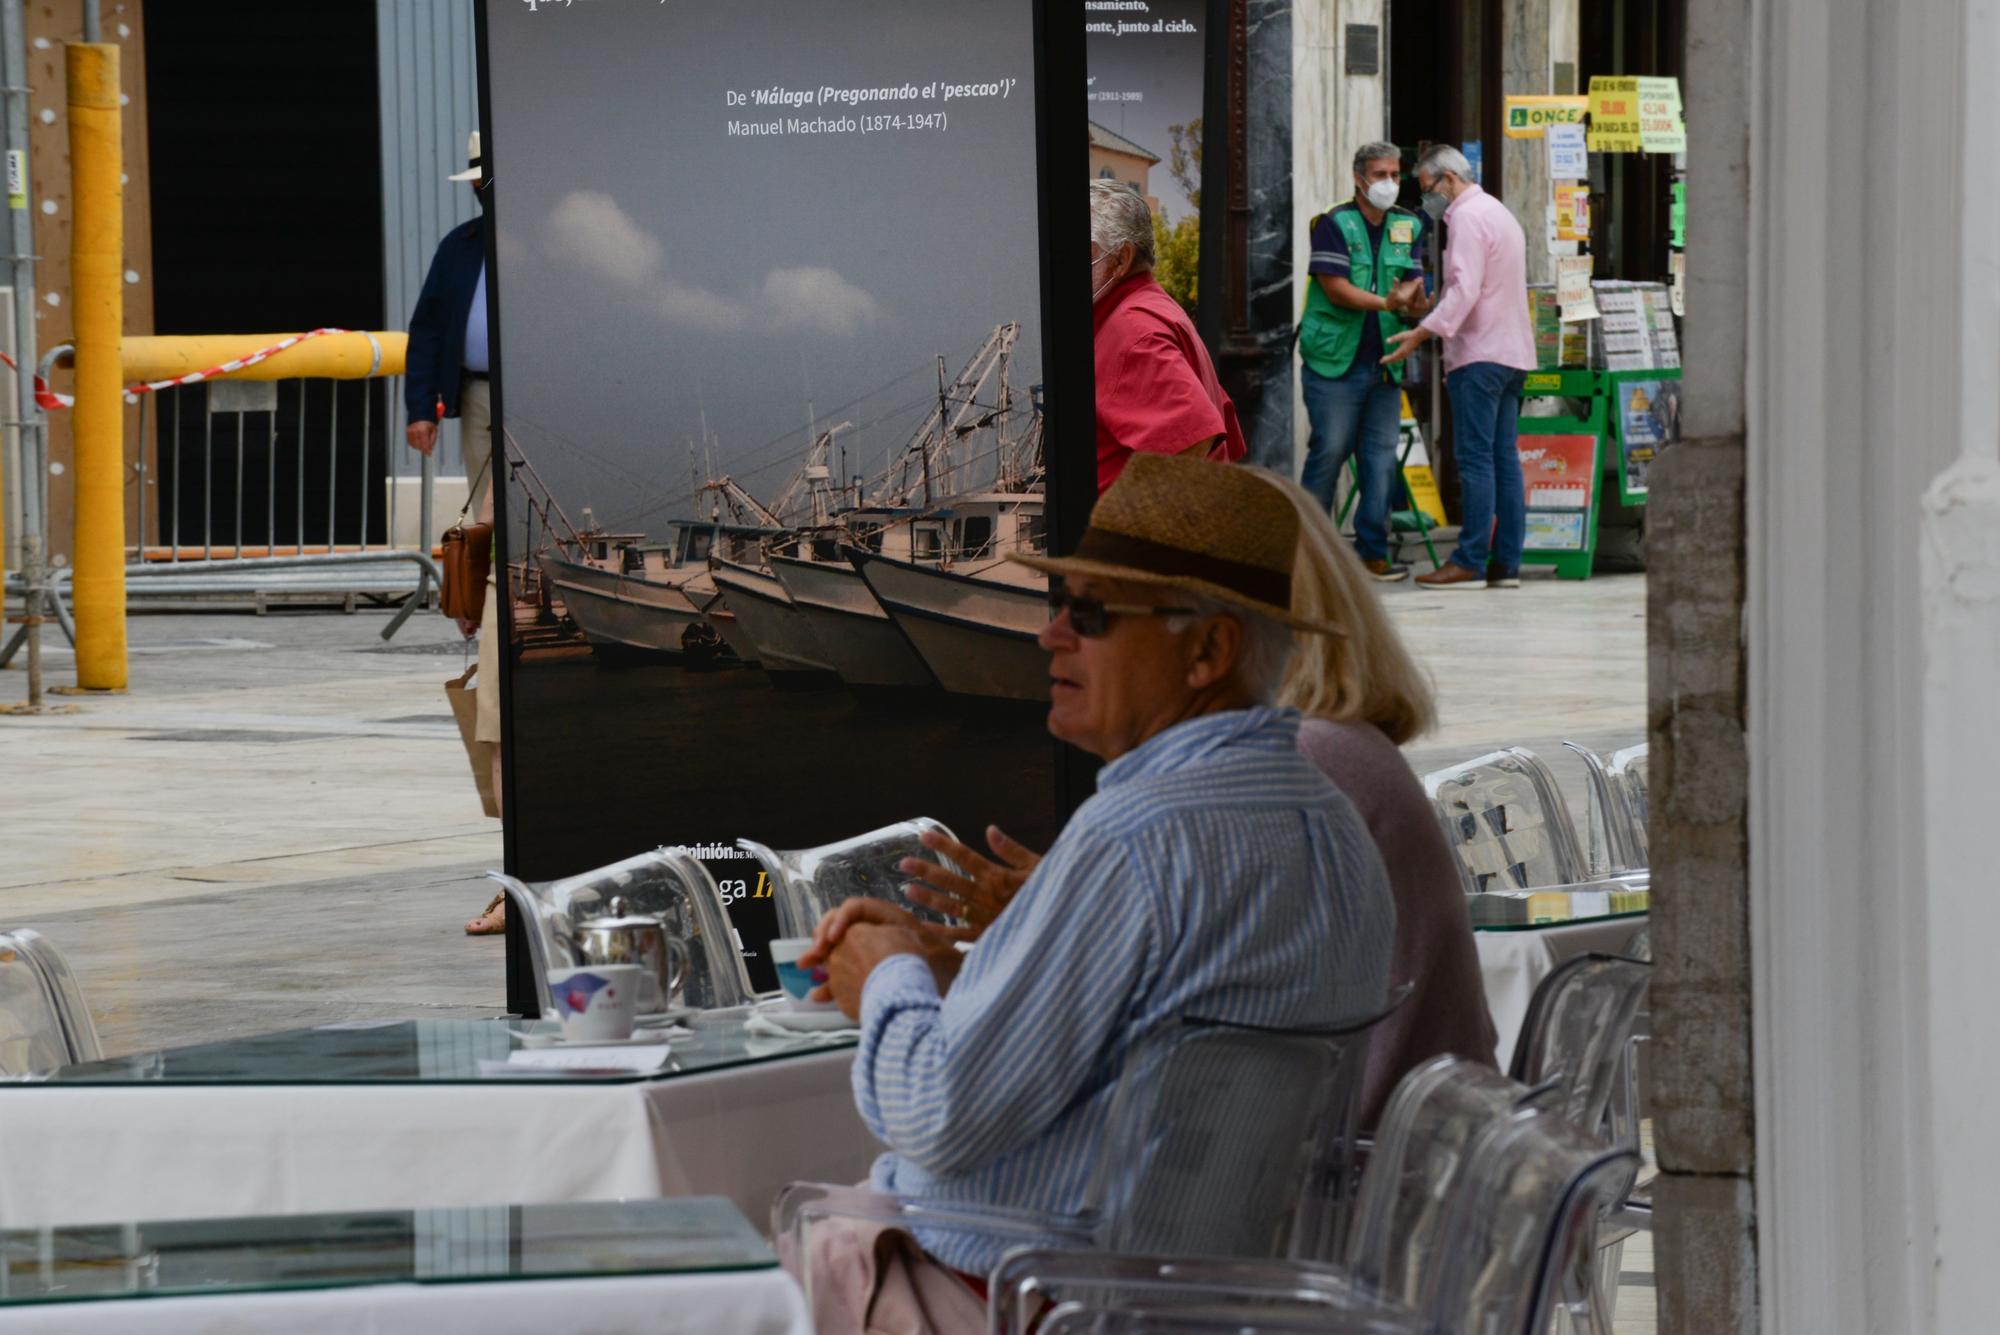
column 655, row 269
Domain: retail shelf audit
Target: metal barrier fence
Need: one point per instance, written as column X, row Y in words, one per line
column 276, row 490
column 245, row 468
column 284, row 488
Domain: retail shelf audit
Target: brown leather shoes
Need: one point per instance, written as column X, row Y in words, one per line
column 1387, row 571
column 1452, row 575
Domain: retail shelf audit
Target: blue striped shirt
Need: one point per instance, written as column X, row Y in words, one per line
column 1215, row 873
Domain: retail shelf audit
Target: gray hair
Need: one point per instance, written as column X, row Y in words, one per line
column 1119, row 217
column 1368, row 153
column 1440, row 159
column 1266, row 653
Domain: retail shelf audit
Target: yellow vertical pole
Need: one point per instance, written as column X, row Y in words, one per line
column 97, row 294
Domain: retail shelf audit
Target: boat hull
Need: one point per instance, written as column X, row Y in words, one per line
column 853, row 634
column 977, row 636
column 764, row 612
column 618, row 609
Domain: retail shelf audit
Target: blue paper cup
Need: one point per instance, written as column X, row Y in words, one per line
column 785, row 952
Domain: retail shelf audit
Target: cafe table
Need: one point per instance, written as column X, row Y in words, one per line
column 417, row 1115
column 1515, row 958
column 656, row 1267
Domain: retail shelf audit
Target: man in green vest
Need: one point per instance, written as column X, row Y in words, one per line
column 1367, row 277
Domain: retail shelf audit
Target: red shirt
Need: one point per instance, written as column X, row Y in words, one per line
column 1156, row 387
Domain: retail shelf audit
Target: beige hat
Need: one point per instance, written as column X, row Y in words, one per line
column 1184, row 522
column 473, row 170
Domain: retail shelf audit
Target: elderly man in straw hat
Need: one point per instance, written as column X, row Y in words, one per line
column 1216, row 872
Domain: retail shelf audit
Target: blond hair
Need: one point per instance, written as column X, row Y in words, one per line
column 1366, row 675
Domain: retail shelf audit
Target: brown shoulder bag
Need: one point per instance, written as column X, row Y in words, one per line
column 466, row 565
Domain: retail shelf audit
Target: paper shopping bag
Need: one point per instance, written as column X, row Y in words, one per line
column 465, row 708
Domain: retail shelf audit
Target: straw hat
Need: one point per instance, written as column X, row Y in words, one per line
column 474, row 170
column 1186, row 523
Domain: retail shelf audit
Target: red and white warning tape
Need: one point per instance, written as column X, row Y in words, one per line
column 50, row 400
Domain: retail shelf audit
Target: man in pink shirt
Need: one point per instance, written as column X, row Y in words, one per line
column 1489, row 347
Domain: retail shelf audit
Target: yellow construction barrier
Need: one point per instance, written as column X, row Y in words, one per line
column 355, row 356
column 97, row 292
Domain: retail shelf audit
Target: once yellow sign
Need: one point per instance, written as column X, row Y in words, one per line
column 1529, row 116
column 1614, row 115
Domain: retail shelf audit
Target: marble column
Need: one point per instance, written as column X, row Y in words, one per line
column 1332, row 115
column 1256, row 342
column 1535, row 34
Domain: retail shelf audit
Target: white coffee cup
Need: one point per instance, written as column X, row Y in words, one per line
column 598, row 1002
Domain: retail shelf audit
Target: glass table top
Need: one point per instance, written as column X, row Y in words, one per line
column 416, row 1052
column 321, row 1251
column 1546, row 924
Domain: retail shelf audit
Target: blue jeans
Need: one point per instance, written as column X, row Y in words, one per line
column 1486, row 418
column 1357, row 413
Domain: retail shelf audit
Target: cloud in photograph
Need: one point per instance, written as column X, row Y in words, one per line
column 588, row 230
column 818, row 300
column 696, row 308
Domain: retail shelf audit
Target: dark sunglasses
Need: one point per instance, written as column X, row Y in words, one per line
column 1091, row 617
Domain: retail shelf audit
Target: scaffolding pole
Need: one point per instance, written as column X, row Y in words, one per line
column 31, row 470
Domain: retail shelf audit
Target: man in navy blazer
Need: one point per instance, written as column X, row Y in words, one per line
column 446, row 373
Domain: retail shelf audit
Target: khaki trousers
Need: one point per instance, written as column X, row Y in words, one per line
column 475, row 434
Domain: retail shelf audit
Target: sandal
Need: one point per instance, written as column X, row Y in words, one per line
column 492, row 922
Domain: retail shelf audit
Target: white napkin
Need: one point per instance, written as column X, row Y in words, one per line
column 561, row 1061
column 770, row 1023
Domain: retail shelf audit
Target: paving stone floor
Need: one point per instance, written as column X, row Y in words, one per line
column 275, row 826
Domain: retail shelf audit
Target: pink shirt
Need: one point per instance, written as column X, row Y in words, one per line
column 1483, row 315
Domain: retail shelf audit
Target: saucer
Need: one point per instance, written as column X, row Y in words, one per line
column 811, row 1022
column 558, row 1041
column 661, row 1019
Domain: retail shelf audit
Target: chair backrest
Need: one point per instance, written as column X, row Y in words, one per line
column 808, row 882
column 44, row 1022
column 673, row 886
column 1333, row 1173
column 1534, row 1190
column 1612, row 843
column 1417, row 1172
column 1627, row 772
column 1504, row 816
column 1579, row 1024
column 1213, row 1133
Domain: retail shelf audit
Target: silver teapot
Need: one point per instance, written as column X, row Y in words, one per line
column 626, row 937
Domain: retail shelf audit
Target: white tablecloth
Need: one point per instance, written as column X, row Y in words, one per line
column 78, row 1154
column 750, row 1302
column 1515, row 962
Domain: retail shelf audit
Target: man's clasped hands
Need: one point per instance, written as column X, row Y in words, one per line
column 858, row 935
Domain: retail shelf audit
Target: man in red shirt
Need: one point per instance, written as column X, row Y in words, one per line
column 1157, row 392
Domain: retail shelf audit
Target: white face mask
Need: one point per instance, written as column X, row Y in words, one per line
column 1097, row 292
column 1383, row 193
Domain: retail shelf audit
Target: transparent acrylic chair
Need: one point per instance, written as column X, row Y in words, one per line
column 672, row 886
column 1421, row 1149
column 1580, row 1036
column 1477, row 1204
column 1615, row 838
column 44, row 1022
column 808, row 882
column 1217, row 1138
column 1627, row 771
column 1577, row 1032
column 1504, row 817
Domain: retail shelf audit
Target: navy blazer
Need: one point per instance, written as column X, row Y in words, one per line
column 437, row 327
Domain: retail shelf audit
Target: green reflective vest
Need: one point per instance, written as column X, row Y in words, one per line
column 1330, row 334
